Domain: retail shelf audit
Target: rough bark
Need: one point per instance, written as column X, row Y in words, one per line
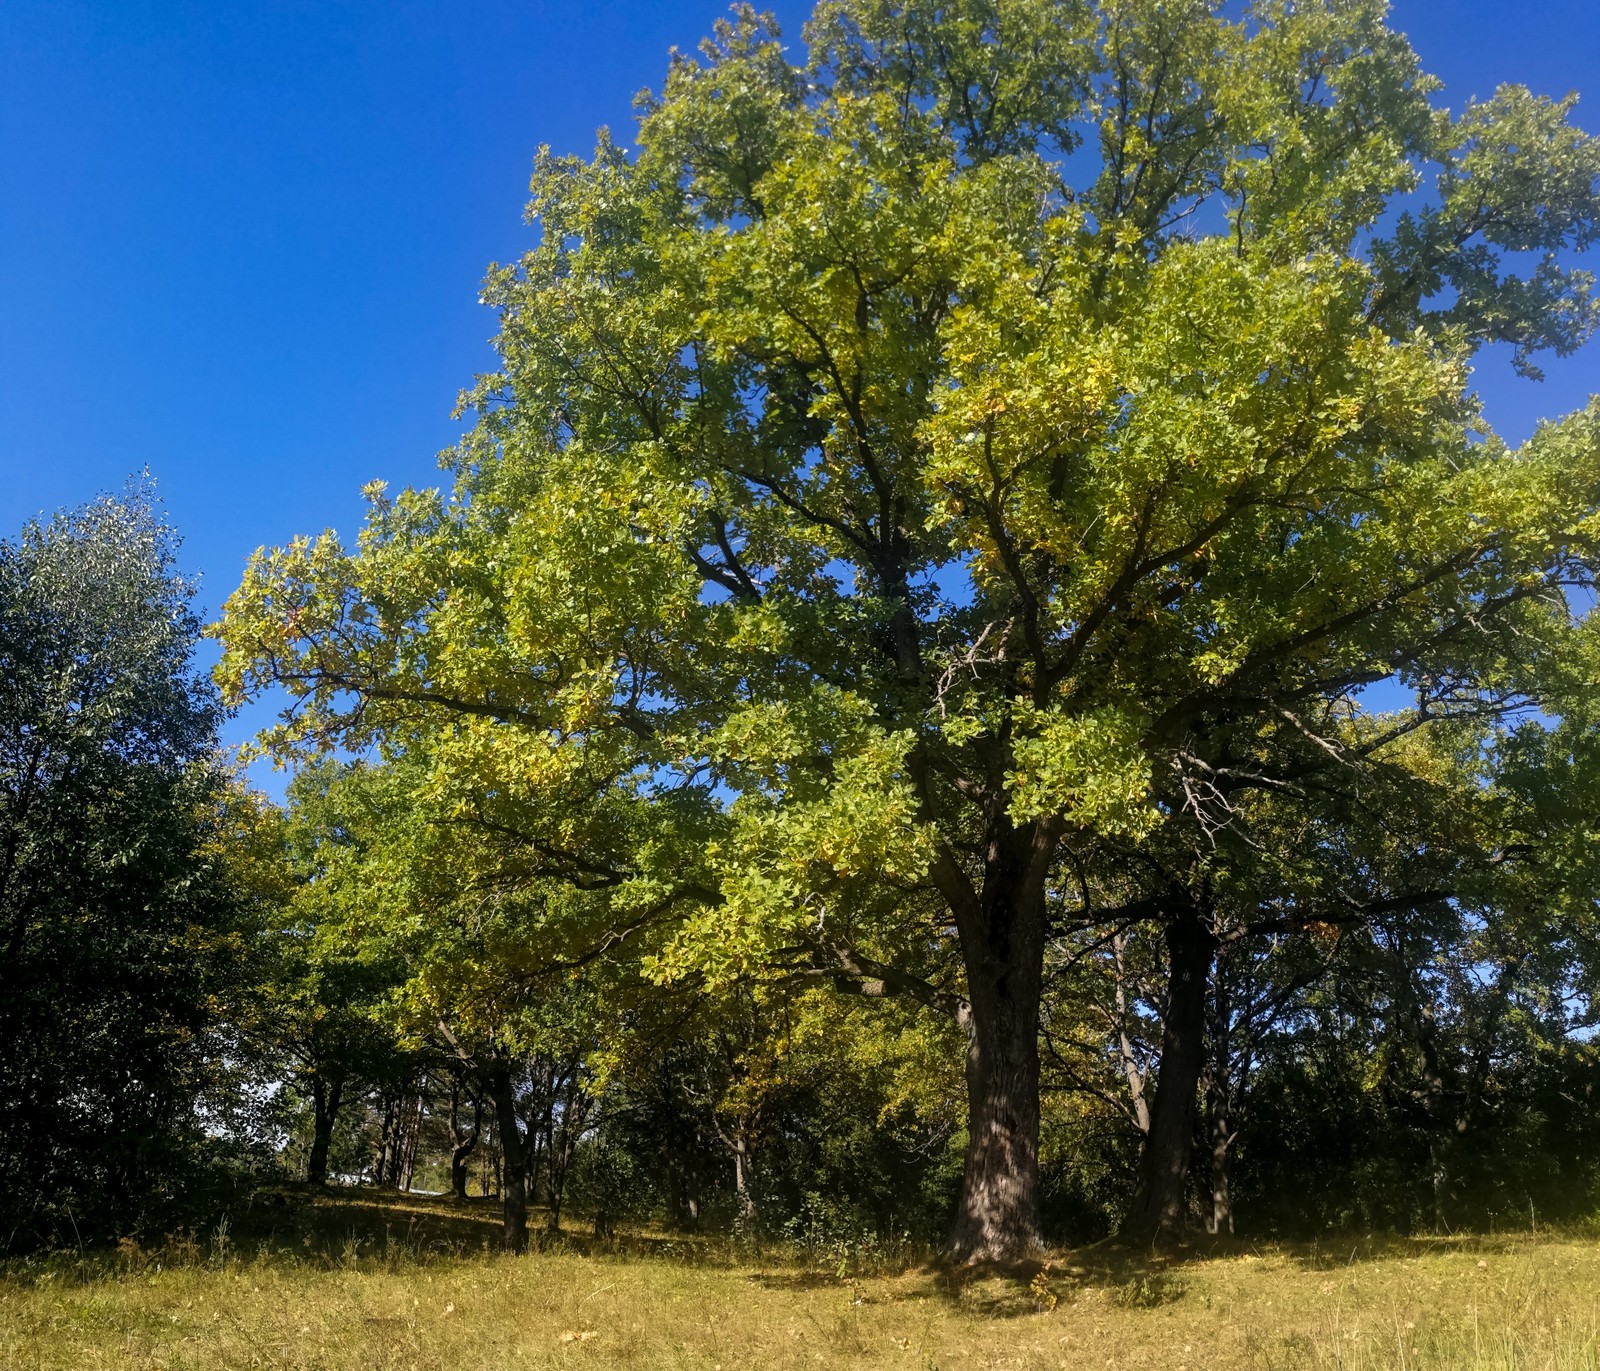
column 326, row 1097
column 1002, row 944
column 513, row 1160
column 998, row 1216
column 1158, row 1204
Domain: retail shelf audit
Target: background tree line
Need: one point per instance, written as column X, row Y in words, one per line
column 980, row 657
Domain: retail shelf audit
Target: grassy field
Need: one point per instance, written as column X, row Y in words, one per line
column 402, row 1284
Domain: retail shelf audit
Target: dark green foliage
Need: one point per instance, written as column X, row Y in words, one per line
column 115, row 925
column 1341, row 1136
column 838, row 1170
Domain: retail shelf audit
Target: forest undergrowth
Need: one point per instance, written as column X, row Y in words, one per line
column 363, row 1279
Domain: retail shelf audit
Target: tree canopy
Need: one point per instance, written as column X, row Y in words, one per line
column 121, row 940
column 941, row 498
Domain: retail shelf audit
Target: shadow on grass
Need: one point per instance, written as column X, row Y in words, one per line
column 348, row 1227
column 1128, row 1278
column 805, row 1278
column 361, row 1227
column 1144, row 1275
column 1117, row 1261
column 335, row 1224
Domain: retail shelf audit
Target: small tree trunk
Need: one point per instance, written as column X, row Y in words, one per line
column 1436, row 1094
column 1164, row 1166
column 463, row 1145
column 1219, row 1099
column 513, row 1161
column 1219, row 1119
column 683, row 1174
column 563, row 1139
column 385, row 1163
column 391, row 1144
column 1132, row 1072
column 401, row 1137
column 743, row 1191
column 326, row 1098
column 405, row 1152
column 536, row 1150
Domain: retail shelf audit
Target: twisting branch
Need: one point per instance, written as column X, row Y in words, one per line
column 854, row 973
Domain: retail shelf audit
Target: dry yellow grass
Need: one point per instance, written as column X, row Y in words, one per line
column 385, row 1286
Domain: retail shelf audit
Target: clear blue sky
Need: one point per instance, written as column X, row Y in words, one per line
column 240, row 240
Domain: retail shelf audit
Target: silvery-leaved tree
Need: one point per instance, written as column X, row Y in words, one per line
column 909, row 460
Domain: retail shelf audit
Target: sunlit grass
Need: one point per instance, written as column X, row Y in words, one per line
column 367, row 1282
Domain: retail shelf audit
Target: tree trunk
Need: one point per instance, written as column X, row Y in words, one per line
column 743, row 1192
column 460, row 1160
column 402, row 1139
column 1219, row 1099
column 1158, row 1203
column 563, row 1139
column 383, row 1168
column 463, row 1145
column 683, row 1190
column 1132, row 1071
column 513, row 1160
column 325, row 1101
column 998, row 1217
column 1002, row 945
column 540, row 1111
column 1219, row 1121
column 411, row 1128
column 1437, row 1094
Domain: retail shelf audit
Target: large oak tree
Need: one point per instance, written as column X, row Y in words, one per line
column 1026, row 420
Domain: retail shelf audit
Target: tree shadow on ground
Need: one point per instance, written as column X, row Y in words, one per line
column 1117, row 1260
column 1144, row 1275
column 337, row 1224
column 1130, row 1277
column 359, row 1226
column 806, row 1278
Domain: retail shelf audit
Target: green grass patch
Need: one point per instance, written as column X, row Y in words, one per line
column 384, row 1283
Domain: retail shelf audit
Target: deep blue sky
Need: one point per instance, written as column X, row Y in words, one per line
column 240, row 240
